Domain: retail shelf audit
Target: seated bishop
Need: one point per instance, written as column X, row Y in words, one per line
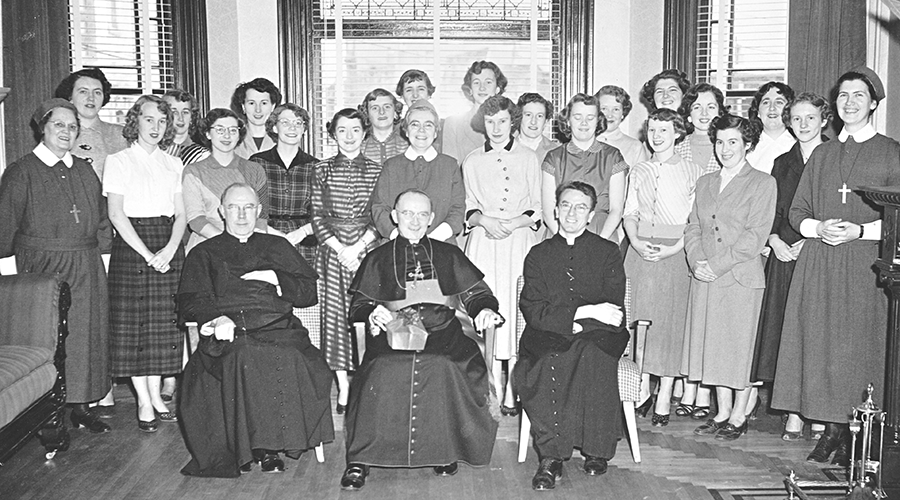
column 424, row 405
column 567, row 373
column 255, row 386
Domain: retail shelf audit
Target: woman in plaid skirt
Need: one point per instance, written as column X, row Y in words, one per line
column 143, row 187
column 342, row 222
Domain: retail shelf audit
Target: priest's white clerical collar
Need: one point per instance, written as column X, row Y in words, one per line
column 861, row 135
column 49, row 158
column 429, row 155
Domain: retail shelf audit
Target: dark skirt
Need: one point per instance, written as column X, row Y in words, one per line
column 416, row 409
column 87, row 358
column 771, row 319
column 269, row 390
column 144, row 335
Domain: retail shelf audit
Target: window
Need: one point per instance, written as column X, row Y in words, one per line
column 358, row 46
column 741, row 44
column 130, row 40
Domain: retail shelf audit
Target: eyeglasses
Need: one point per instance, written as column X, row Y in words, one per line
column 580, row 208
column 417, row 125
column 409, row 214
column 291, row 124
column 59, row 126
column 222, row 130
column 241, row 208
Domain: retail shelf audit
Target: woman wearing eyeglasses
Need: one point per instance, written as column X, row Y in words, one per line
column 205, row 181
column 503, row 204
column 290, row 174
column 143, row 189
column 53, row 219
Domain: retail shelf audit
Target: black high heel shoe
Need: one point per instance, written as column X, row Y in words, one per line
column 752, row 414
column 644, row 408
column 340, row 409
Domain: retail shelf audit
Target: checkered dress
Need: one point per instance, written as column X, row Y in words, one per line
column 342, row 205
column 144, row 337
column 290, row 194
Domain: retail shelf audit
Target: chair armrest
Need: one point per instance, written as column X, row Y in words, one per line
column 31, row 309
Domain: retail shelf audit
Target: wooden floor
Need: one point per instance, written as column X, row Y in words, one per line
column 129, row 464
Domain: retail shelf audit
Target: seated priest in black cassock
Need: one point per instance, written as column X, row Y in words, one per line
column 255, row 386
column 567, row 373
column 429, row 407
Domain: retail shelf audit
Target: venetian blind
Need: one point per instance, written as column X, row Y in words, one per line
column 360, row 46
column 130, row 40
column 741, row 44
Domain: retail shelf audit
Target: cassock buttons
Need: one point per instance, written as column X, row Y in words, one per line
column 720, row 240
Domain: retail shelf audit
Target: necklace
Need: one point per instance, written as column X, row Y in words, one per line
column 62, row 187
column 844, row 190
column 417, row 274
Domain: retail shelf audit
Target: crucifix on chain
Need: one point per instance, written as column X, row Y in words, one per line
column 75, row 212
column 843, row 190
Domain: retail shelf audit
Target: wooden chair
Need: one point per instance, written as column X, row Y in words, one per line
column 629, row 378
column 310, row 318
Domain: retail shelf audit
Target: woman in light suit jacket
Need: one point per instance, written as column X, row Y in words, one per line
column 726, row 233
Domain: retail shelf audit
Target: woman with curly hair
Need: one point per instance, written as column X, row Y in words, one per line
column 384, row 138
column 807, row 116
column 205, row 181
column 253, row 102
column 483, row 79
column 615, row 104
column 186, row 111
column 726, row 232
column 342, row 222
column 143, row 188
column 767, row 109
column 700, row 105
column 503, row 204
column 585, row 158
column 665, row 90
column 537, row 111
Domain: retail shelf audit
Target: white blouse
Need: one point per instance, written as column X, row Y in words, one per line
column 149, row 183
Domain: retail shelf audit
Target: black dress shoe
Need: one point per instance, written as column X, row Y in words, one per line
column 595, row 466
column 509, row 411
column 730, row 432
column 247, row 467
column 446, row 470
column 354, row 477
column 150, row 426
column 82, row 417
column 272, row 463
column 549, row 471
column 829, row 442
column 711, row 427
column 167, row 398
column 340, row 409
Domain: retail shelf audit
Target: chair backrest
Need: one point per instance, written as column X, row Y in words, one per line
column 30, row 309
column 520, row 319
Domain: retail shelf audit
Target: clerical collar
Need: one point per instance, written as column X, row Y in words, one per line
column 861, row 135
column 430, row 154
column 508, row 147
column 48, row 158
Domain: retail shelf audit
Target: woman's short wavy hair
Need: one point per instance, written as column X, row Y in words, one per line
column 815, row 100
column 414, row 75
column 194, row 105
column 588, row 100
column 493, row 105
column 620, row 95
column 130, row 132
column 749, row 129
column 261, row 85
column 66, row 87
column 667, row 115
column 349, row 113
column 475, row 69
column 782, row 88
column 272, row 120
column 649, row 88
column 375, row 94
column 209, row 121
column 691, row 96
column 530, row 97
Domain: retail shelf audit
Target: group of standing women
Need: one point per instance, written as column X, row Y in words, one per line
column 695, row 202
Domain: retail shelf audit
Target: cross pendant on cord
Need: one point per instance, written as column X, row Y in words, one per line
column 75, row 212
column 843, row 190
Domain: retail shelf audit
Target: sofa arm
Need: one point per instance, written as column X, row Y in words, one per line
column 30, row 310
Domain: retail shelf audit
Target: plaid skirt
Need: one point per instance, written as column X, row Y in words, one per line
column 144, row 335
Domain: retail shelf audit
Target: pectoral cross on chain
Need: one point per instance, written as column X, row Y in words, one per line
column 417, row 274
column 75, row 212
column 843, row 190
